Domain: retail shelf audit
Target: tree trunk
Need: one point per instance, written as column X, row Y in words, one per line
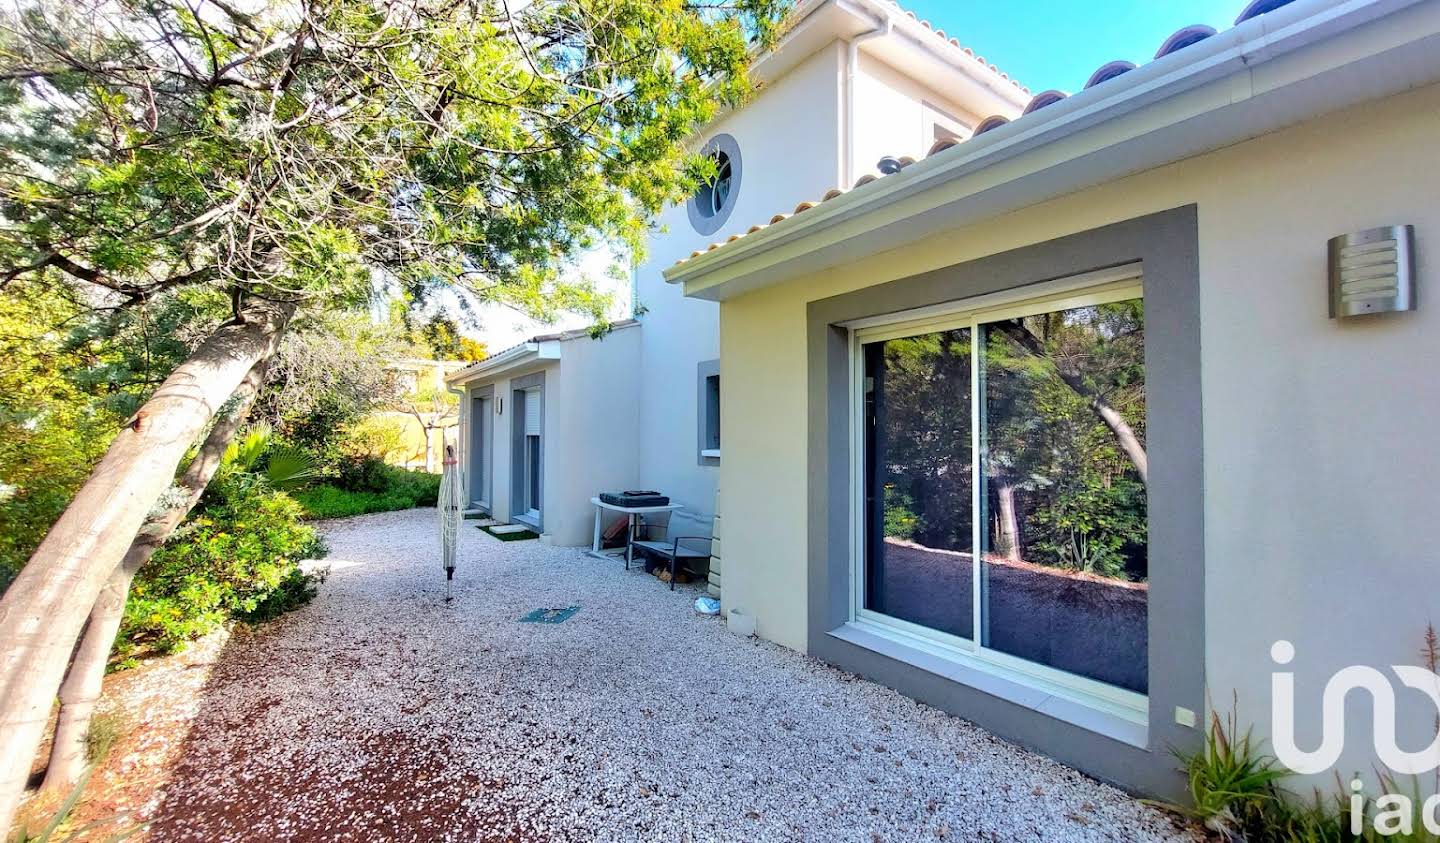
column 1121, row 429
column 83, row 683
column 1009, row 522
column 46, row 606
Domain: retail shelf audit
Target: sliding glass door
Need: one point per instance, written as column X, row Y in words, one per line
column 1017, row 430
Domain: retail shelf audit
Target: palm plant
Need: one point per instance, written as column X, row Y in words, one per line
column 285, row 466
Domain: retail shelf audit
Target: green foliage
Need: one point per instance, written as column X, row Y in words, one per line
column 296, row 589
column 246, row 452
column 1232, row 785
column 443, row 339
column 1235, row 792
column 289, row 467
column 106, row 728
column 284, row 467
column 374, row 437
column 237, row 555
column 52, row 428
column 1080, row 504
column 334, row 502
column 900, row 521
column 370, row 486
column 288, row 151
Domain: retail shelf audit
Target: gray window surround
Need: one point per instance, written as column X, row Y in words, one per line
column 708, row 225
column 483, row 446
column 705, row 414
column 1166, row 244
column 517, row 450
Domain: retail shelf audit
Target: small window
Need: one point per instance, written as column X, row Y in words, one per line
column 711, row 198
column 942, row 132
column 942, row 125
column 708, row 412
column 712, row 412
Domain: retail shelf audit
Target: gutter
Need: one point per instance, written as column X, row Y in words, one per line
column 1234, row 54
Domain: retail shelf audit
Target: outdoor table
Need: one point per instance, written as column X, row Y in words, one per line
column 632, row 512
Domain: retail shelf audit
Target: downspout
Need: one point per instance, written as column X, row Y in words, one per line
column 852, row 64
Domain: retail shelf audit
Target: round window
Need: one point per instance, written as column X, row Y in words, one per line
column 711, row 205
column 712, row 197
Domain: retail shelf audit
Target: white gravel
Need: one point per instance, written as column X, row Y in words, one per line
column 381, row 713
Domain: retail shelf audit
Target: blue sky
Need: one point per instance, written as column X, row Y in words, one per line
column 1059, row 43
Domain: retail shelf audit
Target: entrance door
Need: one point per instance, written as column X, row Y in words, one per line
column 482, row 426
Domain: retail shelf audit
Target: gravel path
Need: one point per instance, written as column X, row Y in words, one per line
column 381, row 713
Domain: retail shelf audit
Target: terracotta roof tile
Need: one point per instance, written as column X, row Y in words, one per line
column 1178, row 41
column 1183, row 38
column 994, row 121
column 1109, row 71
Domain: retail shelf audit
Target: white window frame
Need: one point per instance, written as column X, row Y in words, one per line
column 1091, row 288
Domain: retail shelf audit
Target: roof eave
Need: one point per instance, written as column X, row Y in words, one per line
column 1025, row 162
column 507, row 360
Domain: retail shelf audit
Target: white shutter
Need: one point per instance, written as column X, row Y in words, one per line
column 532, row 412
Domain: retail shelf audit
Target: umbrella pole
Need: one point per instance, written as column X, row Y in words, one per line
column 449, row 507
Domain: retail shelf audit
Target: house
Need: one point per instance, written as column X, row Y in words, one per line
column 549, row 423
column 1112, row 308
column 421, row 411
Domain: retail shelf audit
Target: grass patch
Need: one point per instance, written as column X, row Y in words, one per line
column 334, row 502
column 520, row 536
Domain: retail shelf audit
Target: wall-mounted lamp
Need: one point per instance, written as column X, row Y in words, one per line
column 499, row 406
column 1372, row 271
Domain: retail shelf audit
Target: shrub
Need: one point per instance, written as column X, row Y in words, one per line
column 376, row 436
column 362, row 474
column 238, row 555
column 423, row 486
column 334, row 502
column 370, row 486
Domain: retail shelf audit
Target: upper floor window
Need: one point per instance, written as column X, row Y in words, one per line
column 711, row 205
column 712, row 197
column 940, row 125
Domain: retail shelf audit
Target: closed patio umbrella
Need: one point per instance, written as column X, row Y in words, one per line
column 449, row 507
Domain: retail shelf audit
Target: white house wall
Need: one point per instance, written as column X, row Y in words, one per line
column 591, row 430
column 788, row 143
column 1319, row 436
column 892, row 118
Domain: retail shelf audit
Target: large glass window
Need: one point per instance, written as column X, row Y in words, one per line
column 920, row 486
column 1022, row 433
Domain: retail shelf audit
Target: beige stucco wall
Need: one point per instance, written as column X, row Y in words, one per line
column 1321, row 446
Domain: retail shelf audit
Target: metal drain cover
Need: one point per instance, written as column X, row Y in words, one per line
column 550, row 615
